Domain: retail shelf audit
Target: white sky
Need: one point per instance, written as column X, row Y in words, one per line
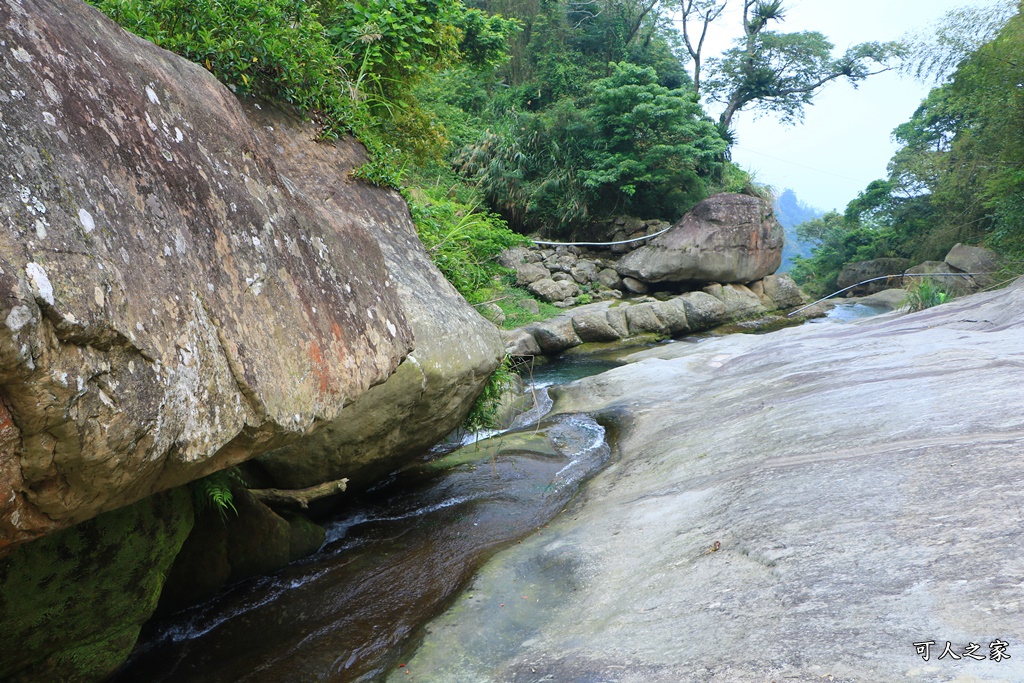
column 844, row 141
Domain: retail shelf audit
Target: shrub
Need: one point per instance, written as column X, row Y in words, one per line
column 925, row 293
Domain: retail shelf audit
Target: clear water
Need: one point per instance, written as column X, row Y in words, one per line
column 844, row 313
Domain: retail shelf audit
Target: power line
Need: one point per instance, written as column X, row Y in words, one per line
column 793, row 163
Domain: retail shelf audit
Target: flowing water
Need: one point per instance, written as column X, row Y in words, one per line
column 843, row 313
column 398, row 558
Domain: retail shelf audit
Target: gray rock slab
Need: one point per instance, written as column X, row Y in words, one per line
column 592, row 326
column 889, row 298
column 642, row 319
column 555, row 334
column 804, row 505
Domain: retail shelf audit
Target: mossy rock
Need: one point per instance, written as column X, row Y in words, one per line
column 73, row 602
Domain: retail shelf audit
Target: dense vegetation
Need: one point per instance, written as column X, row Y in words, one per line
column 959, row 173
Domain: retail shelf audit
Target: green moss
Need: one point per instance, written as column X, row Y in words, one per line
column 74, row 601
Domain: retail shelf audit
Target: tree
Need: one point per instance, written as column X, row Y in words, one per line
column 701, row 13
column 781, row 72
column 936, row 54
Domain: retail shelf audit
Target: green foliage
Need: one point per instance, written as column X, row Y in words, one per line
column 273, row 48
column 348, row 64
column 779, row 73
column 461, row 241
column 958, row 175
column 925, row 293
column 484, row 413
column 837, row 242
column 626, row 144
column 213, row 492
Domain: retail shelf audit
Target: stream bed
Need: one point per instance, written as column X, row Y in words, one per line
column 397, row 558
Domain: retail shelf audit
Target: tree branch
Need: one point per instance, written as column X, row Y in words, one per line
column 298, row 498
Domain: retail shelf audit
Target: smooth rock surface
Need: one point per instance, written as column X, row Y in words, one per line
column 984, row 262
column 803, row 505
column 172, row 305
column 725, row 238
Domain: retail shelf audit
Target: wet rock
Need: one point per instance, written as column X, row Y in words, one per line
column 593, row 326
column 673, row 313
column 782, row 291
column 556, row 334
column 726, row 238
column 747, row 532
column 75, row 600
column 642, row 319
column 703, row 311
column 739, row 301
column 519, row 343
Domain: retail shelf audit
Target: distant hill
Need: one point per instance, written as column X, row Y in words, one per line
column 791, row 212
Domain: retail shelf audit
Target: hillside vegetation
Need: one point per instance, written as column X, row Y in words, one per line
column 958, row 175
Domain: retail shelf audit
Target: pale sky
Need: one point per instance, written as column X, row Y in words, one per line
column 844, row 141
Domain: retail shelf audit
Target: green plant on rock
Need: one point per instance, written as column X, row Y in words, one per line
column 462, row 242
column 213, row 492
column 485, row 411
column 925, row 293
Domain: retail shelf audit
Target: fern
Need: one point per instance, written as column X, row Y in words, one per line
column 214, row 492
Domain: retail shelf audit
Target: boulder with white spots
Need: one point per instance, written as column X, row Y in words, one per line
column 171, row 303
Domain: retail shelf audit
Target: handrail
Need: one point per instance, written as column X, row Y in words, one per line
column 602, row 244
column 884, row 277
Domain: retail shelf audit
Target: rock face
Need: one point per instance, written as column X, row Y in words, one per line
column 853, row 273
column 456, row 349
column 172, row 304
column 823, row 484
column 985, row 262
column 726, row 238
column 75, row 600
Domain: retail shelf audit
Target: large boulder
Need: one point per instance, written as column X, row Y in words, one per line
column 725, row 238
column 173, row 304
column 945, row 278
column 983, row 263
column 860, row 271
column 456, row 348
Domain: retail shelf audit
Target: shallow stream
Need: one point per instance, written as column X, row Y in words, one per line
column 397, row 558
